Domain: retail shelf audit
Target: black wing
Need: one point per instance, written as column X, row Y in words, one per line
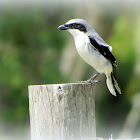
column 104, row 50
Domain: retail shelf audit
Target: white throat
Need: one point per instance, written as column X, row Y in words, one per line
column 75, row 32
column 81, row 40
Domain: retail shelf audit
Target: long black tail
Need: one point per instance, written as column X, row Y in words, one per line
column 115, row 83
column 112, row 84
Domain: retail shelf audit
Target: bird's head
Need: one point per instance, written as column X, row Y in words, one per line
column 76, row 26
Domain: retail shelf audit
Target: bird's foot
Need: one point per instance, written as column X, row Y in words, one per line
column 89, row 81
column 95, row 81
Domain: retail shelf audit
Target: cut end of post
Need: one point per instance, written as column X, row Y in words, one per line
column 64, row 84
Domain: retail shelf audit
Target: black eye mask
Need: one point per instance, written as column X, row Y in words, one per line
column 76, row 26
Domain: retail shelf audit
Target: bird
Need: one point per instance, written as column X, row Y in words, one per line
column 93, row 50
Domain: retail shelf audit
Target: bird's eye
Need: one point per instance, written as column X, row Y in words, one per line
column 66, row 25
column 72, row 25
column 79, row 26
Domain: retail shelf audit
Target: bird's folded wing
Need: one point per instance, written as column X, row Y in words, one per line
column 101, row 46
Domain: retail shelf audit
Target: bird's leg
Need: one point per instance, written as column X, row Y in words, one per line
column 91, row 79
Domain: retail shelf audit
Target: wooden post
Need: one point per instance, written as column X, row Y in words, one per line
column 62, row 112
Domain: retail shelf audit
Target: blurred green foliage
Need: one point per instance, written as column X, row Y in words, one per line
column 29, row 54
column 123, row 42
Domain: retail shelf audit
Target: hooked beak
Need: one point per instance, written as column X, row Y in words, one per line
column 63, row 27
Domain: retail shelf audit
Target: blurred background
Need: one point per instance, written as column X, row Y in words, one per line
column 33, row 51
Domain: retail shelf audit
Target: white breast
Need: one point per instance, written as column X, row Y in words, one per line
column 89, row 54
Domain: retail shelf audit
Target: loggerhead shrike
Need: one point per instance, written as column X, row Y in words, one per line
column 94, row 50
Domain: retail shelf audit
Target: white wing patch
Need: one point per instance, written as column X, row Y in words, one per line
column 110, row 48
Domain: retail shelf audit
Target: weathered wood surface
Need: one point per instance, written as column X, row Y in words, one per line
column 62, row 111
